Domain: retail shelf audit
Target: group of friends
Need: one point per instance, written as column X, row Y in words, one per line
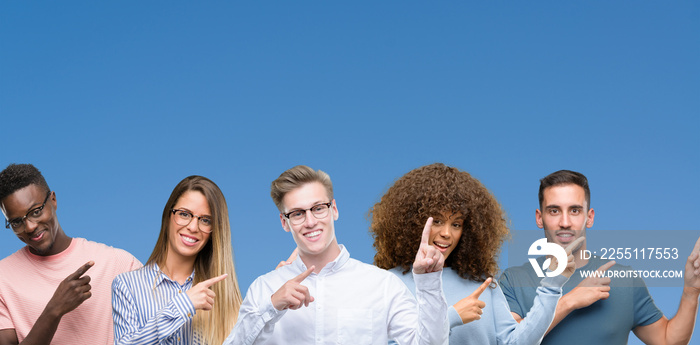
column 435, row 280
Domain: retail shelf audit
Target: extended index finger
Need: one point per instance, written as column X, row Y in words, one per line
column 697, row 246
column 81, row 270
column 300, row 278
column 211, row 281
column 570, row 248
column 426, row 231
column 606, row 266
column 481, row 288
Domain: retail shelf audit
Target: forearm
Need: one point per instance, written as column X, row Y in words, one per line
column 168, row 320
column 680, row 328
column 433, row 325
column 564, row 308
column 255, row 323
column 537, row 322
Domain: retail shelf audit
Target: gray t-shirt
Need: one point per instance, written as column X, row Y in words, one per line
column 606, row 321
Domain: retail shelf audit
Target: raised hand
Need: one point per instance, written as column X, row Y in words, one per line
column 201, row 296
column 72, row 291
column 470, row 308
column 591, row 289
column 570, row 264
column 290, row 259
column 692, row 268
column 293, row 295
column 428, row 258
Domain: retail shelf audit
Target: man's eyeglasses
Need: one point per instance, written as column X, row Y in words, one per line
column 184, row 217
column 17, row 224
column 319, row 211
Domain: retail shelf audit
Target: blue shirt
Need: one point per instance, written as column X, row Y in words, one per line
column 150, row 308
column 496, row 325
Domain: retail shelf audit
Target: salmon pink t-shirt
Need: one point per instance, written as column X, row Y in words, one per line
column 28, row 281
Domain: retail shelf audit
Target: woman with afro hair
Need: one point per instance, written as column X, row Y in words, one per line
column 469, row 227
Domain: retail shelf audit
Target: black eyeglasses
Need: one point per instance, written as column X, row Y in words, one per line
column 34, row 214
column 184, row 217
column 319, row 211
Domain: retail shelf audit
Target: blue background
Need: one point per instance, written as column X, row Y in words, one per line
column 117, row 102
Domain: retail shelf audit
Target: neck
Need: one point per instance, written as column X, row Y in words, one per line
column 322, row 259
column 178, row 268
column 61, row 242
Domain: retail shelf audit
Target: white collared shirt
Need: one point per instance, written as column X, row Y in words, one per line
column 354, row 303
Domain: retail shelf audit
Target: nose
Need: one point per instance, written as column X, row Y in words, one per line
column 444, row 231
column 310, row 220
column 193, row 226
column 565, row 221
column 30, row 225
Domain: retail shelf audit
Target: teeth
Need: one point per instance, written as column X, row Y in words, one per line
column 442, row 245
column 189, row 239
column 313, row 233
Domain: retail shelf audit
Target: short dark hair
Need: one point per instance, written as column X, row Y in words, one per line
column 18, row 176
column 563, row 177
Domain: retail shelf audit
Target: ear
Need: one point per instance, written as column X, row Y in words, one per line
column 285, row 224
column 52, row 198
column 538, row 218
column 335, row 210
column 590, row 216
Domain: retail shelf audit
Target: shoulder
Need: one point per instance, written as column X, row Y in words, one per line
column 145, row 275
column 272, row 280
column 13, row 258
column 16, row 262
column 108, row 254
column 524, row 270
column 519, row 276
column 107, row 250
column 371, row 271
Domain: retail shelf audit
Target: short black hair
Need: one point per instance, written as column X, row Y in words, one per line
column 18, row 176
column 563, row 177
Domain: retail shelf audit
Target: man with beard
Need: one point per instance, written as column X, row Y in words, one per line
column 596, row 310
column 46, row 297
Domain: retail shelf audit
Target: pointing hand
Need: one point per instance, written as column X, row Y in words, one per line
column 428, row 258
column 470, row 308
column 201, row 296
column 293, row 295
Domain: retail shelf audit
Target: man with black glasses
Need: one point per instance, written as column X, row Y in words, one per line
column 46, row 297
column 324, row 296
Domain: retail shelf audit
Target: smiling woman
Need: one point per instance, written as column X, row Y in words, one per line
column 468, row 228
column 187, row 293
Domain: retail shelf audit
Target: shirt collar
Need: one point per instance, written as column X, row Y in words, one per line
column 160, row 276
column 330, row 267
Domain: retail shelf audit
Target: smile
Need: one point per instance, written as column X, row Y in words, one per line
column 187, row 240
column 39, row 235
column 441, row 245
column 313, row 233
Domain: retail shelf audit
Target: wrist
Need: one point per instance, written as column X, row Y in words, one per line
column 690, row 292
column 52, row 313
column 568, row 304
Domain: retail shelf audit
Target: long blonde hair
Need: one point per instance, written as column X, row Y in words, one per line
column 215, row 259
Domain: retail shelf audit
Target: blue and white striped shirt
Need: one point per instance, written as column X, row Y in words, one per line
column 150, row 308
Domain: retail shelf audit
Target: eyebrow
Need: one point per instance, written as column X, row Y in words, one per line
column 35, row 205
column 312, row 205
column 557, row 206
column 190, row 211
